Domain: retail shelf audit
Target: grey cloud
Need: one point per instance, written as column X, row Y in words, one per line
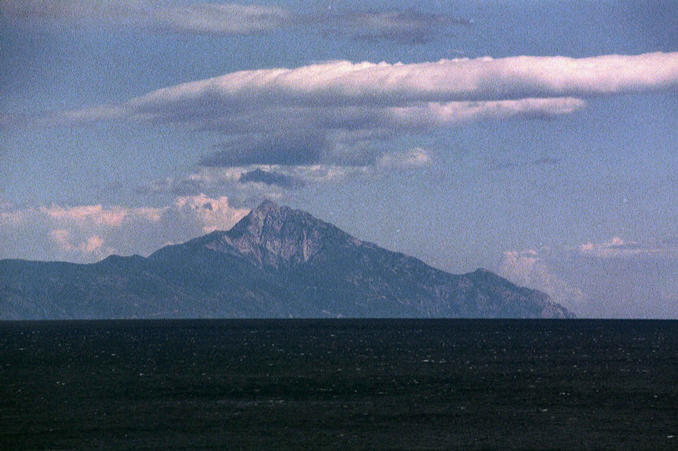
column 271, row 178
column 222, row 19
column 404, row 27
column 219, row 181
column 287, row 150
column 183, row 16
column 508, row 165
column 111, row 11
column 173, row 16
column 301, row 147
column 245, row 185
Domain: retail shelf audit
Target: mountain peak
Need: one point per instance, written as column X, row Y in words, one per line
column 265, row 216
column 267, row 207
column 276, row 236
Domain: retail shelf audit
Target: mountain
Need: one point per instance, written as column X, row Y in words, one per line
column 275, row 262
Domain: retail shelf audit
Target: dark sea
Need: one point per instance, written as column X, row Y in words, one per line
column 339, row 384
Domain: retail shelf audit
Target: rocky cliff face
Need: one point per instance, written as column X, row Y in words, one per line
column 276, row 262
column 274, row 237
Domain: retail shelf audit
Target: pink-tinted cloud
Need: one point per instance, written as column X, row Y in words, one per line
column 344, row 82
column 90, row 232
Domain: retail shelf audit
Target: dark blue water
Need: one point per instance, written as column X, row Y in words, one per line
column 339, row 384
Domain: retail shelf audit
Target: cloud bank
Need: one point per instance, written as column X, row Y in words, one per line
column 88, row 233
column 341, row 95
column 345, row 114
column 249, row 184
column 615, row 278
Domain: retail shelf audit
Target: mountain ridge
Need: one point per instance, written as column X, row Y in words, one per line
column 275, row 262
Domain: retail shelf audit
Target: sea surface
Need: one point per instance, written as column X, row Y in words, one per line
column 339, row 384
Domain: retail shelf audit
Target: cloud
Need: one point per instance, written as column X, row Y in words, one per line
column 91, row 246
column 341, row 95
column 226, row 18
column 88, row 233
column 284, row 149
column 540, row 162
column 249, row 185
column 340, row 113
column 196, row 18
column 73, row 10
column 409, row 159
column 270, row 178
column 405, row 27
column 182, row 16
column 97, row 215
column 616, row 247
column 531, row 268
column 340, row 83
column 614, row 278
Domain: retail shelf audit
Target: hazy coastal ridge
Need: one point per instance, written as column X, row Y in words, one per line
column 275, row 263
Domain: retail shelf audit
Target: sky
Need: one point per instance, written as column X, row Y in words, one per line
column 537, row 139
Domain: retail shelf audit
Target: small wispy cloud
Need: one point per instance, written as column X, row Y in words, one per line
column 177, row 16
column 213, row 18
column 271, row 178
column 617, row 247
column 409, row 159
column 404, row 27
column 548, row 162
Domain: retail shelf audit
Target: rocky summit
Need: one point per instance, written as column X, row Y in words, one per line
column 276, row 262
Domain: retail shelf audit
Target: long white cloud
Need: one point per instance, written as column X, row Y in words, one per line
column 341, row 102
column 341, row 93
column 346, row 83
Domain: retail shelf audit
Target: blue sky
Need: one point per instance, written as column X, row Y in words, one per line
column 536, row 139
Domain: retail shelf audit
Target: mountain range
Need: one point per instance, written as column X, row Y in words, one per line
column 276, row 262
